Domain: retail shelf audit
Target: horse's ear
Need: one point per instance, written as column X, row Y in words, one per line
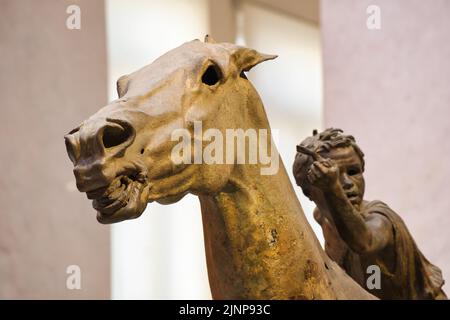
column 246, row 58
column 122, row 85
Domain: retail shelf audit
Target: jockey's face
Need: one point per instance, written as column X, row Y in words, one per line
column 350, row 173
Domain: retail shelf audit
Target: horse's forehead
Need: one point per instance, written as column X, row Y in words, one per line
column 189, row 57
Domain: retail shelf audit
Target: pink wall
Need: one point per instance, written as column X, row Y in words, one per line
column 390, row 88
column 51, row 78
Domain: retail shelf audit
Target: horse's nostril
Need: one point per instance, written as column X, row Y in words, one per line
column 116, row 134
column 72, row 147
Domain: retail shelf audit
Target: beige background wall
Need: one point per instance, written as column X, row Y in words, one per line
column 390, row 88
column 51, row 78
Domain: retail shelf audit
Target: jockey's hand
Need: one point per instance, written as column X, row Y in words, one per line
column 323, row 174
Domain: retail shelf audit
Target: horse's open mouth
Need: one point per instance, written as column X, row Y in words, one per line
column 120, row 200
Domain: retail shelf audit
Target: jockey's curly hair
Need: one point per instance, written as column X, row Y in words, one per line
column 321, row 143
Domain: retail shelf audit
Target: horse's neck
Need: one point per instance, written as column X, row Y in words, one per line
column 258, row 242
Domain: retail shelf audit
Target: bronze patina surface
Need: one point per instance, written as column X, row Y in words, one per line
column 329, row 167
column 258, row 242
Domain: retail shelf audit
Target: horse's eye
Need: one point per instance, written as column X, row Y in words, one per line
column 212, row 75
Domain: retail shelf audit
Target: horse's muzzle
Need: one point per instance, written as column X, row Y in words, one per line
column 91, row 145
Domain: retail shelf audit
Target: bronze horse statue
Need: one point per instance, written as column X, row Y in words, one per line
column 258, row 242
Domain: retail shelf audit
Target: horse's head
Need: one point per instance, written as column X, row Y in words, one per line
column 122, row 154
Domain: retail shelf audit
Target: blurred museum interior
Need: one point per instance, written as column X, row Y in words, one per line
column 388, row 86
